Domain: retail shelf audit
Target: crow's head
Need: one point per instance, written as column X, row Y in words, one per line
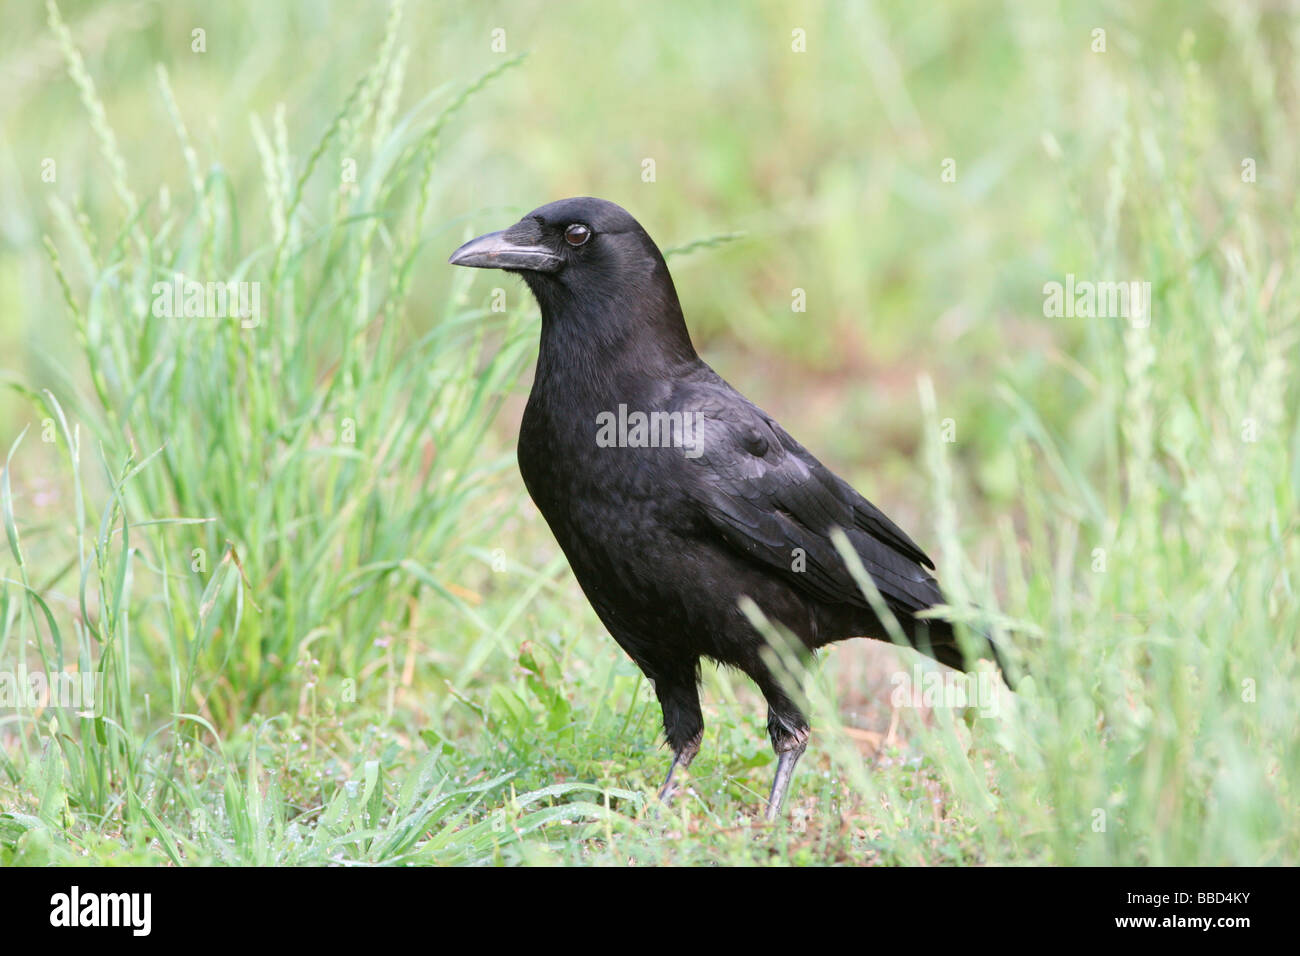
column 564, row 240
column 591, row 266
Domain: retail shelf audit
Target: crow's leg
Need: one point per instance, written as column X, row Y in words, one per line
column 683, row 723
column 788, row 728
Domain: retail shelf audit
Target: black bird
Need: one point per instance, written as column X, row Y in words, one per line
column 673, row 496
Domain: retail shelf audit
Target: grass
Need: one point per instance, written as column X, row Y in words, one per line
column 328, row 628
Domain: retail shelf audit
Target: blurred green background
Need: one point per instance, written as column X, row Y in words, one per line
column 918, row 171
column 829, row 161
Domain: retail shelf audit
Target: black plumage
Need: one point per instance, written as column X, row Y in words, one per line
column 665, row 537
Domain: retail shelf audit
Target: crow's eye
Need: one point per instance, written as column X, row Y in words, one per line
column 577, row 234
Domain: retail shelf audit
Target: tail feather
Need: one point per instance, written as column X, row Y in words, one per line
column 937, row 639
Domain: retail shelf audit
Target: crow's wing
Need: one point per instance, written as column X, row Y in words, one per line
column 773, row 501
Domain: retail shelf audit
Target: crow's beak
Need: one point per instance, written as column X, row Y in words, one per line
column 495, row 251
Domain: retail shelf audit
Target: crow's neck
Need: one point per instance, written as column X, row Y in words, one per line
column 600, row 351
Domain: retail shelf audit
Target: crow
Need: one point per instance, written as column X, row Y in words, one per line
column 674, row 497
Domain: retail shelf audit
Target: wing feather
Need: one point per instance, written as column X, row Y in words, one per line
column 772, row 500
